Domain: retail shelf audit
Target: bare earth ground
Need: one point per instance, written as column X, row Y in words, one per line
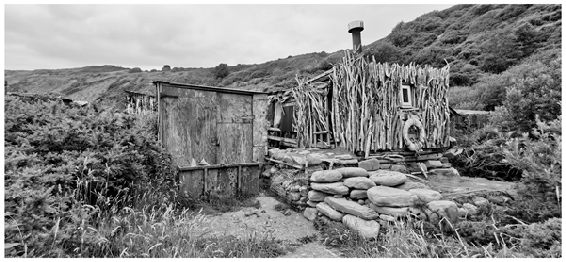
column 266, row 221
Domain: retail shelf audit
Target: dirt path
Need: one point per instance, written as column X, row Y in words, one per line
column 266, row 221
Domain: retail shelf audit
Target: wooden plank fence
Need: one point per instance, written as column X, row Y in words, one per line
column 221, row 180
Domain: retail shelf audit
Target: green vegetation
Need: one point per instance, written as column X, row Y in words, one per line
column 221, row 71
column 83, row 183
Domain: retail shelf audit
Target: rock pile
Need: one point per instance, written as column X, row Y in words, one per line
column 366, row 197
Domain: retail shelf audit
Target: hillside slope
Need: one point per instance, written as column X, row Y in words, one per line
column 477, row 41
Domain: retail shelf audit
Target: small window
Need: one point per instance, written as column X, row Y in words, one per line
column 406, row 96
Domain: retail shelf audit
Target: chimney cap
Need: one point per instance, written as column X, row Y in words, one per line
column 356, row 26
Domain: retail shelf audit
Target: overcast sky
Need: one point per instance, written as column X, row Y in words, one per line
column 149, row 36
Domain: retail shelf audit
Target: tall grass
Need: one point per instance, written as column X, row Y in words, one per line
column 413, row 238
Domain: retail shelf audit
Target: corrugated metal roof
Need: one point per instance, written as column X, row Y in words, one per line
column 212, row 88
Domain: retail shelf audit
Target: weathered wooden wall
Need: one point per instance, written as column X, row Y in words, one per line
column 219, row 126
column 260, row 110
column 222, row 181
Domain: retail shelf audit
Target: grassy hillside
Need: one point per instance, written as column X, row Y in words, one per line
column 477, row 40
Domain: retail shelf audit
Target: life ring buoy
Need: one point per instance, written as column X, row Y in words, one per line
column 413, row 145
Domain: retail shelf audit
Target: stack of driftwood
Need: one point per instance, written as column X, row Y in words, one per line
column 365, row 107
column 311, row 111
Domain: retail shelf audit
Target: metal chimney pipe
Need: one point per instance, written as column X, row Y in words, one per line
column 355, row 27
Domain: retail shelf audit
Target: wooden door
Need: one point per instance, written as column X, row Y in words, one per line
column 235, row 128
column 189, row 125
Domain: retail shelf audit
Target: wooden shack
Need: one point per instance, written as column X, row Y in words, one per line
column 223, row 131
column 217, row 125
column 369, row 107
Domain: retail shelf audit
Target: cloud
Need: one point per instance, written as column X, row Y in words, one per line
column 58, row 36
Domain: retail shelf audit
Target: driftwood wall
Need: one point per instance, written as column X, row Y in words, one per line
column 365, row 112
column 140, row 104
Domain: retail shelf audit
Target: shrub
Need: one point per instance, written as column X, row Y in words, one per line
column 166, row 68
column 530, row 89
column 68, row 166
column 135, row 70
column 221, row 71
column 385, row 52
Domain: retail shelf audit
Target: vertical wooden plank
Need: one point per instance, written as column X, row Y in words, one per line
column 211, row 181
column 191, row 183
column 260, row 111
column 235, row 128
column 239, row 191
column 250, row 180
column 204, row 184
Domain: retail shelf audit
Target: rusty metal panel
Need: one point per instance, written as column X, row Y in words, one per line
column 227, row 183
column 249, row 184
column 191, row 183
column 222, row 181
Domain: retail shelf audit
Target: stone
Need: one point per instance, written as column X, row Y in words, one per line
column 359, row 183
column 326, row 176
column 303, row 199
column 398, row 168
column 351, row 207
column 294, row 188
column 336, row 188
column 433, row 164
column 411, row 185
column 364, row 228
column 361, row 202
column 300, row 160
column 311, row 203
column 370, row 164
column 387, row 178
column 426, row 195
column 462, row 212
column 390, row 197
column 445, row 172
column 392, row 211
column 499, row 200
column 328, row 211
column 471, row 209
column 316, row 196
column 304, row 190
column 344, row 157
column 287, row 212
column 387, row 218
column 310, row 213
column 352, row 172
column 315, row 158
column 358, row 194
column 266, row 174
column 384, row 166
column 294, row 196
column 480, row 201
column 445, row 208
column 345, row 162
